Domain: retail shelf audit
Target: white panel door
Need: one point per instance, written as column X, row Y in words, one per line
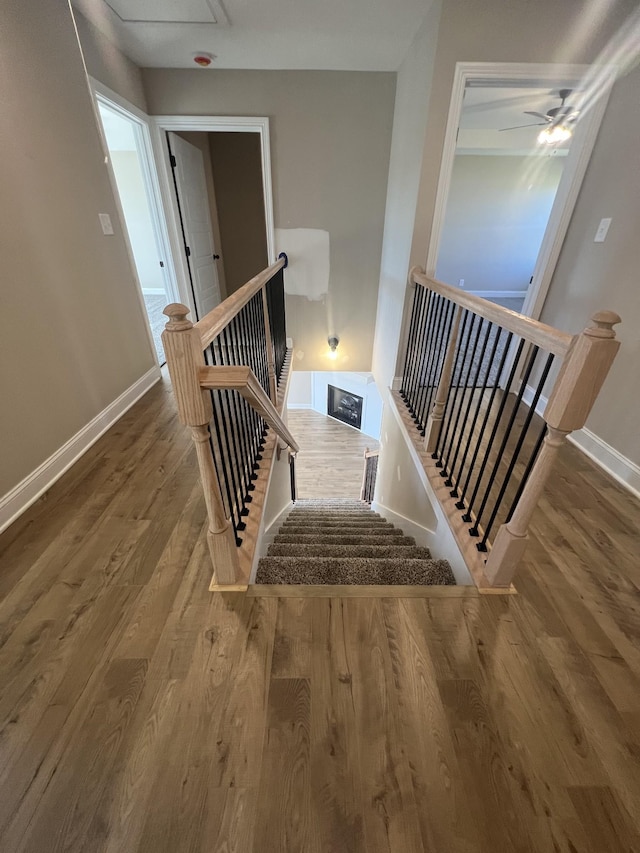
column 193, row 199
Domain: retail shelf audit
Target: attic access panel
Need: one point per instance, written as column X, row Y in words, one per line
column 168, row 11
column 344, row 406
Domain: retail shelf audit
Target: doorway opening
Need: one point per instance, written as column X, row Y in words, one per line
column 215, row 176
column 130, row 156
column 507, row 184
column 218, row 186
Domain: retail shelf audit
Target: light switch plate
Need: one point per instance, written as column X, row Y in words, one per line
column 603, row 228
column 105, row 222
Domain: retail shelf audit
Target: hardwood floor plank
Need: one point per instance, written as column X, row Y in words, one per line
column 292, row 642
column 286, row 822
column 64, row 813
column 388, row 801
column 335, row 761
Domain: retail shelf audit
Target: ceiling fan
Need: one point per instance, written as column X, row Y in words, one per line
column 555, row 117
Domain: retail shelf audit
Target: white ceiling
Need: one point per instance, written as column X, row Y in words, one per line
column 486, row 111
column 354, row 35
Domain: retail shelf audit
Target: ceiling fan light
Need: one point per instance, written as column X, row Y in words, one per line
column 554, row 134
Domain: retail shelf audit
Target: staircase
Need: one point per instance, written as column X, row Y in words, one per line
column 344, row 542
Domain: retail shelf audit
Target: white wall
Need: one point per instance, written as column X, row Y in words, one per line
column 308, row 390
column 497, row 212
column 409, row 121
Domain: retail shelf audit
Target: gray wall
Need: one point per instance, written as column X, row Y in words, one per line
column 330, row 140
column 236, row 161
column 72, row 330
column 409, row 121
column 496, row 216
column 590, row 276
column 108, row 64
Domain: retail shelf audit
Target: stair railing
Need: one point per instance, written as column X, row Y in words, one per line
column 227, row 371
column 474, row 376
column 369, row 475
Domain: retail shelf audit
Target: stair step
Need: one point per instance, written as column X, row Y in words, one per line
column 338, row 522
column 357, row 570
column 336, row 530
column 352, row 514
column 308, row 538
column 317, row 549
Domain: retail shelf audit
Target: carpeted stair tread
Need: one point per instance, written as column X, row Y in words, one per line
column 339, row 522
column 357, row 570
column 337, row 530
column 294, row 549
column 320, row 516
column 310, row 538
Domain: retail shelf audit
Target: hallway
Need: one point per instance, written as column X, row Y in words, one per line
column 139, row 712
column 330, row 463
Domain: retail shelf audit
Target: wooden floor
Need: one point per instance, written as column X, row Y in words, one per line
column 138, row 712
column 331, row 458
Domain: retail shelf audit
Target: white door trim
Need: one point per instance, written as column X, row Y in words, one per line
column 207, row 124
column 573, row 173
column 152, row 183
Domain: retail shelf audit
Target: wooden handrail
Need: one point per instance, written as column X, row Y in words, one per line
column 219, row 318
column 245, row 382
column 546, row 337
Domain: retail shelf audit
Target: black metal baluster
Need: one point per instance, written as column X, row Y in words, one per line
column 458, row 477
column 505, row 440
column 423, row 297
column 528, row 470
column 223, row 397
column 447, row 414
column 259, row 355
column 225, row 473
column 413, row 325
column 482, row 546
column 423, row 382
column 244, row 357
column 425, row 338
column 233, row 418
column 463, row 380
column 441, row 336
column 241, row 356
column 503, row 402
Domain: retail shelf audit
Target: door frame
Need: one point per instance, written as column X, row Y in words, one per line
column 102, row 93
column 572, row 174
column 160, row 124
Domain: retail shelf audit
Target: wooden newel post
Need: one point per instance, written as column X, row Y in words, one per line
column 183, row 350
column 581, row 376
column 434, row 424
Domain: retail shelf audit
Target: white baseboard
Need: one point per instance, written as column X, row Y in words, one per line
column 626, row 472
column 20, row 498
column 299, row 406
column 494, row 294
column 422, row 535
column 396, row 383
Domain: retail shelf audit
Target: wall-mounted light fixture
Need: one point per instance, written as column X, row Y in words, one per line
column 333, row 342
